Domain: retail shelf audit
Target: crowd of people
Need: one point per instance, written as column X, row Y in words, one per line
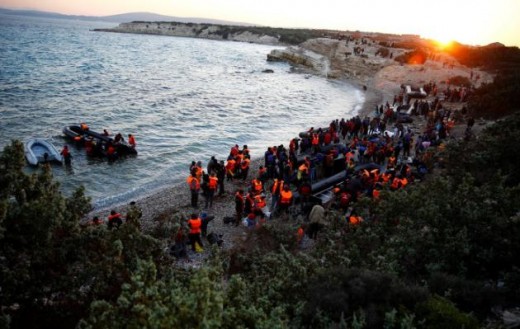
column 366, row 156
column 370, row 157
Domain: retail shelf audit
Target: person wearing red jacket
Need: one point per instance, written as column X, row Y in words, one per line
column 195, row 225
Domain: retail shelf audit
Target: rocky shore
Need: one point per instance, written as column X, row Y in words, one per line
column 192, row 30
column 380, row 78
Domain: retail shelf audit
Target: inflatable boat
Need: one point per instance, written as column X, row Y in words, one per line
column 81, row 136
column 39, row 150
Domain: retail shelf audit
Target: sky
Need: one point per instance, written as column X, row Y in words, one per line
column 472, row 22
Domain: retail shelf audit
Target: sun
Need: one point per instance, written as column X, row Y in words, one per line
column 443, row 43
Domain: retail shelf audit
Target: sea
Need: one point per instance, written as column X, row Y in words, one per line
column 184, row 100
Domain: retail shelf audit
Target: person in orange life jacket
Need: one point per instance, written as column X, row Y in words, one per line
column 315, row 142
column 195, row 225
column 111, row 152
column 194, row 185
column 230, row 168
column 65, row 153
column 376, row 192
column 275, row 193
column 205, row 221
column 344, row 200
column 354, row 219
column 84, row 126
column 303, row 171
column 212, row 188
column 286, row 199
column 198, row 170
column 256, row 186
column 244, row 167
column 114, row 219
column 396, row 183
column 238, row 162
column 239, row 206
column 131, row 141
column 260, row 203
column 300, row 234
column 234, row 151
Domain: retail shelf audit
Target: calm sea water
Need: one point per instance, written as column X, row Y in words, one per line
column 184, row 99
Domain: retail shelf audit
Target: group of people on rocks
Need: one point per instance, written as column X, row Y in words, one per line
column 372, row 159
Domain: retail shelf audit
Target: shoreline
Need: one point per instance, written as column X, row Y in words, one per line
column 175, row 198
column 378, row 85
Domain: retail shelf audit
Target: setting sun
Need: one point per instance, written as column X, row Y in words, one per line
column 444, row 43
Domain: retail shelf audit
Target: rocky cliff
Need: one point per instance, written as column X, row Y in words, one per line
column 192, row 30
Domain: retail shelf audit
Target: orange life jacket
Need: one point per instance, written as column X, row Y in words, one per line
column 260, row 202
column 375, row 194
column 395, row 183
column 131, row 140
column 230, row 166
column 195, row 225
column 315, row 139
column 285, row 197
column 198, row 172
column 193, row 183
column 299, row 234
column 354, row 220
column 245, row 164
column 303, row 168
column 277, row 184
column 257, row 185
column 213, row 182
